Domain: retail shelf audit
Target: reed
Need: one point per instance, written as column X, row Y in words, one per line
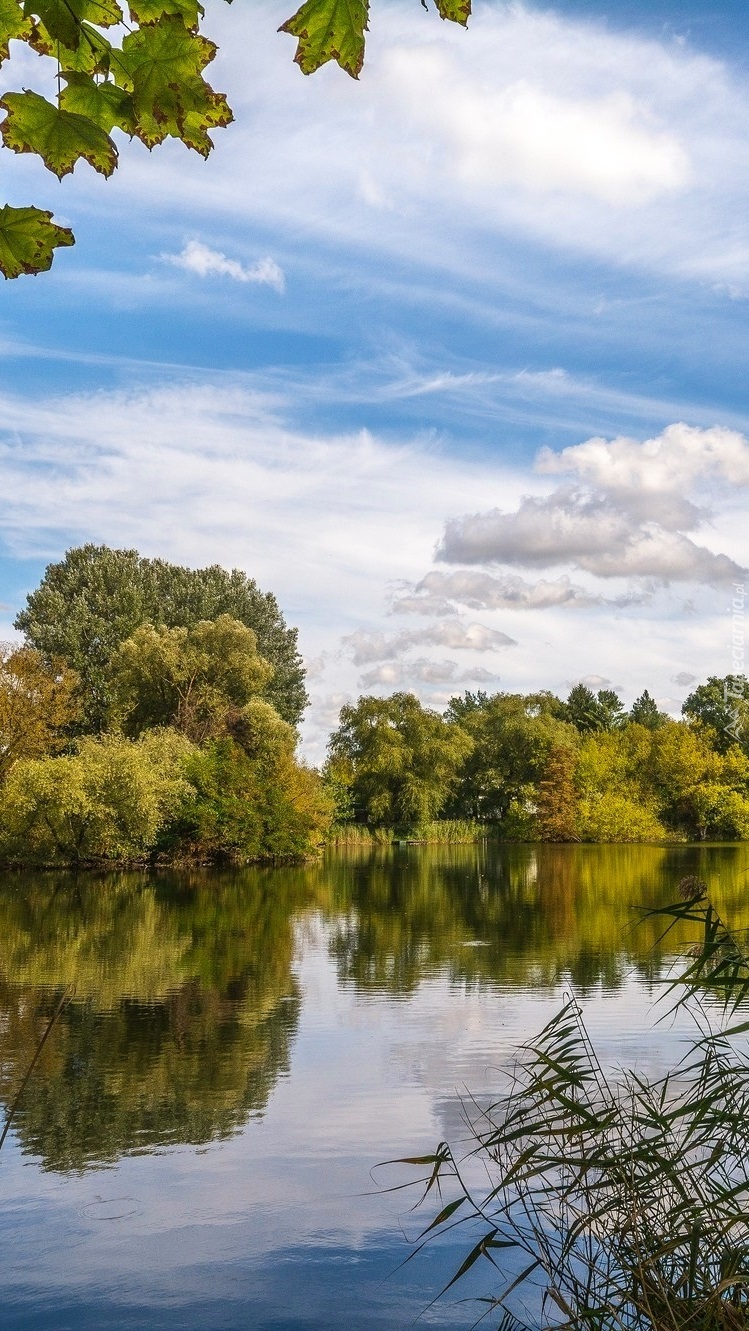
column 446, row 831
column 620, row 1202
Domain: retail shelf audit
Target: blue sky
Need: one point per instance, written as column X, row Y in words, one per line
column 452, row 359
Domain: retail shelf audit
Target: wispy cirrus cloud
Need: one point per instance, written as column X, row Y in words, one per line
column 615, row 132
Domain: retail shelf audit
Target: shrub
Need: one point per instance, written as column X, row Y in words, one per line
column 107, row 801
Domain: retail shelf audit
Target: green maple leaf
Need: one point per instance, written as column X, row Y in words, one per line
column 329, row 30
column 34, row 125
column 28, row 239
column 213, row 113
column 107, row 105
column 13, row 24
column 150, row 11
column 161, row 66
column 92, row 55
column 458, row 11
column 62, row 19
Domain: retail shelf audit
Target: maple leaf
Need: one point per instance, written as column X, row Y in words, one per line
column 150, row 11
column 161, row 66
column 61, row 138
column 152, row 88
column 13, row 24
column 457, row 11
column 28, row 239
column 105, row 104
column 329, row 30
column 92, row 55
column 62, row 19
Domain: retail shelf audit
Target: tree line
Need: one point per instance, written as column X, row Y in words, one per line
column 150, row 714
column 537, row 767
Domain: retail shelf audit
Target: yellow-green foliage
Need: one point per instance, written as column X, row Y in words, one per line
column 191, row 678
column 400, row 760
column 117, row 799
column 37, row 703
column 613, row 817
column 107, row 801
column 637, row 784
column 447, row 831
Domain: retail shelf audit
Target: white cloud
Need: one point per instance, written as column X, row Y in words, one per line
column 204, row 262
column 327, row 522
column 539, row 139
column 594, row 682
column 365, row 646
column 483, row 591
column 421, row 605
column 399, row 674
column 533, row 124
column 655, row 477
column 587, row 532
column 629, row 521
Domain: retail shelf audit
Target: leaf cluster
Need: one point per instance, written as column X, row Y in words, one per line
column 139, row 69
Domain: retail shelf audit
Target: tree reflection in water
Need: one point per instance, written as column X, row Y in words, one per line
column 186, row 999
column 184, row 1012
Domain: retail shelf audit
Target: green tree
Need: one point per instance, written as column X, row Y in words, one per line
column 702, row 792
column 399, row 759
column 92, row 600
column 589, row 711
column 37, row 705
column 513, row 735
column 249, row 798
column 195, row 679
column 149, row 86
column 644, row 712
column 721, row 708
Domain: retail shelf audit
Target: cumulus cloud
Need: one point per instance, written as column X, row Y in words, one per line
column 453, row 634
column 684, row 678
column 483, row 591
column 199, row 259
column 653, row 479
column 594, row 682
column 421, row 605
column 587, row 532
column 626, row 521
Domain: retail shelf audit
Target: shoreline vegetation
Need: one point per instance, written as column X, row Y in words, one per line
column 149, row 718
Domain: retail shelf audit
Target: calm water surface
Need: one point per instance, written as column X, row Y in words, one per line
column 194, row 1147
